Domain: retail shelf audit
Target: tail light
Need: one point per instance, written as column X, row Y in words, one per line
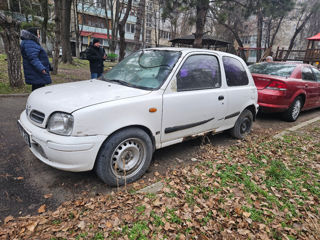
column 277, row 85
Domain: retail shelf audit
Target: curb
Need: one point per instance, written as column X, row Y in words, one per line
column 292, row 129
column 14, row 95
column 153, row 188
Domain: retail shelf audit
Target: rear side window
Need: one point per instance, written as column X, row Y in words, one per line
column 307, row 74
column 316, row 74
column 275, row 69
column 199, row 72
column 235, row 72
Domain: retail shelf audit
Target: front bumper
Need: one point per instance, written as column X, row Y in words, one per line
column 67, row 153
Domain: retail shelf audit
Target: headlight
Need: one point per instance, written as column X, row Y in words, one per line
column 61, row 123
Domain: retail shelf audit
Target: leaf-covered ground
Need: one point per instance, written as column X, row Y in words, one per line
column 260, row 188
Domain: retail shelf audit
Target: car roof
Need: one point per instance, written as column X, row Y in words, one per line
column 190, row 50
column 291, row 62
column 185, row 51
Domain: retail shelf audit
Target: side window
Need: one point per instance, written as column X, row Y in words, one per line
column 199, row 72
column 316, row 74
column 307, row 74
column 235, row 72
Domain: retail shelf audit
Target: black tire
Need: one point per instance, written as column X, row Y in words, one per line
column 293, row 111
column 124, row 157
column 243, row 125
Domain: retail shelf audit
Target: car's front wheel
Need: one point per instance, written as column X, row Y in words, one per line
column 243, row 125
column 293, row 111
column 124, row 157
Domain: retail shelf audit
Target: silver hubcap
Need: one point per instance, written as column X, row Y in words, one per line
column 296, row 109
column 128, row 157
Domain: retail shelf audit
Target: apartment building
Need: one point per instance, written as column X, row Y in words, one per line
column 93, row 21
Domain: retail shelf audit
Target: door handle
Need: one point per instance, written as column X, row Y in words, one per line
column 220, row 98
column 306, row 85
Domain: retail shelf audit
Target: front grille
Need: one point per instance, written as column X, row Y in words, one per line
column 37, row 116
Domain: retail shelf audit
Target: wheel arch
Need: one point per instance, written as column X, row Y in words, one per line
column 252, row 109
column 299, row 94
column 144, row 128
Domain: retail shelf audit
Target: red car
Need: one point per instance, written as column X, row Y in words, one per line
column 286, row 87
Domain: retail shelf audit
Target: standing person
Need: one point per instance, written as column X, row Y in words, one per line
column 96, row 55
column 36, row 65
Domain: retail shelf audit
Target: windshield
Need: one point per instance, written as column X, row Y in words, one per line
column 276, row 69
column 145, row 69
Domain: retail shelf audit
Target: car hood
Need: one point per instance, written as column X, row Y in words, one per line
column 69, row 97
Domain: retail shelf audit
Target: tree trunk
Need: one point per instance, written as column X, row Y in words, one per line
column 140, row 17
column 76, row 27
column 57, row 32
column 238, row 39
column 65, row 31
column 115, row 18
column 202, row 8
column 122, row 24
column 44, row 27
column 259, row 34
column 298, row 30
column 10, row 33
column 276, row 32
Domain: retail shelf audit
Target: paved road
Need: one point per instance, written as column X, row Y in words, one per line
column 24, row 180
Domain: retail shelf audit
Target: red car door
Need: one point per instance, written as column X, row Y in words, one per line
column 317, row 76
column 311, row 88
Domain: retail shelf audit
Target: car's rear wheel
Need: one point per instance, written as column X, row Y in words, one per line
column 243, row 125
column 124, row 157
column 293, row 111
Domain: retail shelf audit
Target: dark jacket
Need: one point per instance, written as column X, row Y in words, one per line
column 35, row 59
column 95, row 56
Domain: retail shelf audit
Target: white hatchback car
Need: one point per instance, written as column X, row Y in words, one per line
column 152, row 99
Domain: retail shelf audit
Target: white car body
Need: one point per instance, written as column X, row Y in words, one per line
column 102, row 108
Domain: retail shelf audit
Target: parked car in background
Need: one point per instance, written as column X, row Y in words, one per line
column 286, row 87
column 152, row 99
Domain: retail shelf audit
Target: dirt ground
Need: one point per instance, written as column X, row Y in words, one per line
column 25, row 181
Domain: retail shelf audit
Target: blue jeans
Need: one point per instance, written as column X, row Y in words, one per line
column 95, row 75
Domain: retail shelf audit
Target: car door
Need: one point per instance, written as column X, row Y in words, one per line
column 316, row 73
column 194, row 101
column 311, row 87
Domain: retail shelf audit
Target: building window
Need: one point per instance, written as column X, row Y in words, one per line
column 165, row 34
column 85, row 40
column 149, row 20
column 148, row 36
column 149, row 6
column 130, row 28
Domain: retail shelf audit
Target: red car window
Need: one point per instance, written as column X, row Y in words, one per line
column 307, row 74
column 316, row 74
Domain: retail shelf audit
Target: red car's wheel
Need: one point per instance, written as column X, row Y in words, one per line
column 293, row 111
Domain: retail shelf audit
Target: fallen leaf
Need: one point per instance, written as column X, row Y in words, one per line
column 81, row 225
column 246, row 214
column 31, row 227
column 167, row 226
column 49, row 195
column 8, row 219
column 42, row 208
column 243, row 231
column 108, row 224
